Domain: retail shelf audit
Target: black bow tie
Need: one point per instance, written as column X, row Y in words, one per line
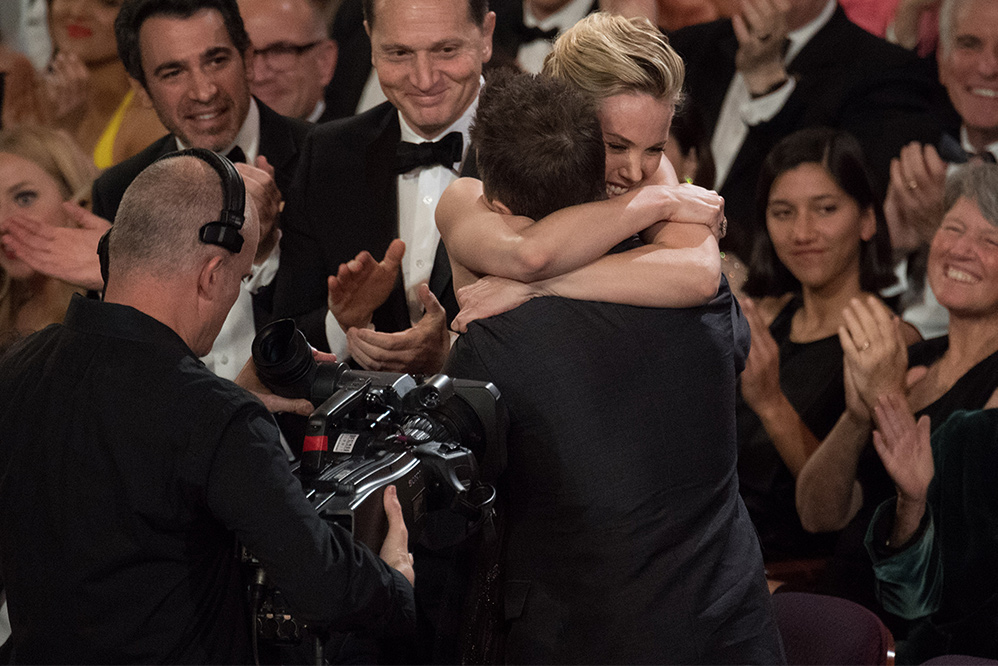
column 447, row 151
column 951, row 151
column 535, row 34
column 236, row 155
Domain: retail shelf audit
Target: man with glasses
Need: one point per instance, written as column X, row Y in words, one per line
column 294, row 58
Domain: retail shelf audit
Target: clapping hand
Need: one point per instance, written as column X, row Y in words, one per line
column 761, row 30
column 876, row 357
column 760, row 381
column 362, row 284
column 420, row 349
column 914, row 203
column 262, row 189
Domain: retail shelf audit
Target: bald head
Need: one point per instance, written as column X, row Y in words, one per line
column 156, row 228
column 158, row 263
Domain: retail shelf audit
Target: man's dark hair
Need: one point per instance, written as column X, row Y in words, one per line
column 539, row 142
column 134, row 13
column 477, row 9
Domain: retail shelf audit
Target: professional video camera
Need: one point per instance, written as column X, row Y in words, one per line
column 440, row 441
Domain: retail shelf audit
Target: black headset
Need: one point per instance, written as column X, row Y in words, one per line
column 226, row 231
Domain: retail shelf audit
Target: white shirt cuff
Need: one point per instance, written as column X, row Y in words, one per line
column 763, row 109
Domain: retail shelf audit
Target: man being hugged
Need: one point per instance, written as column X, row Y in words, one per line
column 627, row 540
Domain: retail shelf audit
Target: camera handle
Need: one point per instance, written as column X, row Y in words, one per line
column 343, row 401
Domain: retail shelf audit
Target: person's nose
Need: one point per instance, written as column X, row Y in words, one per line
column 987, row 62
column 423, row 75
column 803, row 228
column 632, row 167
column 202, row 86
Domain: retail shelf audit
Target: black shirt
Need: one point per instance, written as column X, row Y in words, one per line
column 129, row 471
column 627, row 541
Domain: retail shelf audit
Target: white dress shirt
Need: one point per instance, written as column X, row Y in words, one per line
column 739, row 111
column 419, row 191
column 531, row 55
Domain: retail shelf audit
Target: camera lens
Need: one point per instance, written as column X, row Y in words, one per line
column 284, row 360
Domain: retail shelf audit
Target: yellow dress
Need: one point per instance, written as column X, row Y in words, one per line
column 104, row 150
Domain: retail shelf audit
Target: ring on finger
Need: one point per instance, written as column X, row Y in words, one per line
column 912, row 185
column 865, row 346
column 724, row 226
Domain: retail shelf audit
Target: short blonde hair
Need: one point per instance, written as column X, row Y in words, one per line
column 606, row 55
column 56, row 153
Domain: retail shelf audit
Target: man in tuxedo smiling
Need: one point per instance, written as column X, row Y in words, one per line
column 368, row 186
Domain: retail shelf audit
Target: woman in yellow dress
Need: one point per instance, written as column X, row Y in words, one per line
column 86, row 86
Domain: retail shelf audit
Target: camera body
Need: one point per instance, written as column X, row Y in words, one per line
column 439, row 441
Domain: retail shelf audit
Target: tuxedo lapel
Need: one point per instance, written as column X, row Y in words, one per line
column 380, row 187
column 278, row 145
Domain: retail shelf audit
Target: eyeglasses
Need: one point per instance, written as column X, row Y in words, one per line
column 282, row 56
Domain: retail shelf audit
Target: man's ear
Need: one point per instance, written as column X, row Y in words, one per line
column 328, row 52
column 140, row 93
column 497, row 206
column 249, row 61
column 488, row 27
column 210, row 279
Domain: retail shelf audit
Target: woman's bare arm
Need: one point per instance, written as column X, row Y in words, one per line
column 681, row 262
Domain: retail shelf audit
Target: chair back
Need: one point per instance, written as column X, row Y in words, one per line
column 819, row 629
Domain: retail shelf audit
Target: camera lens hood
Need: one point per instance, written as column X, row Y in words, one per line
column 284, row 360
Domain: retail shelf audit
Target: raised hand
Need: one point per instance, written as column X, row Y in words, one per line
column 362, row 284
column 874, row 349
column 761, row 30
column 914, row 203
column 488, row 297
column 65, row 253
column 760, row 380
column 64, row 86
column 262, row 189
column 904, row 447
column 420, row 349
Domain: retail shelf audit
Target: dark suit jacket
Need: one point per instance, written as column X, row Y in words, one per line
column 627, row 540
column 280, row 140
column 846, row 78
column 344, row 200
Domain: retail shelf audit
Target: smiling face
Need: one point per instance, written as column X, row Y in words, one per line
column 635, row 131
column 816, row 227
column 968, row 69
column 429, row 56
column 963, row 262
column 86, row 28
column 28, row 192
column 198, row 82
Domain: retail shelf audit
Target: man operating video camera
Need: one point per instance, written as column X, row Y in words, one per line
column 130, row 472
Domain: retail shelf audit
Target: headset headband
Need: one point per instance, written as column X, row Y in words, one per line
column 226, row 231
